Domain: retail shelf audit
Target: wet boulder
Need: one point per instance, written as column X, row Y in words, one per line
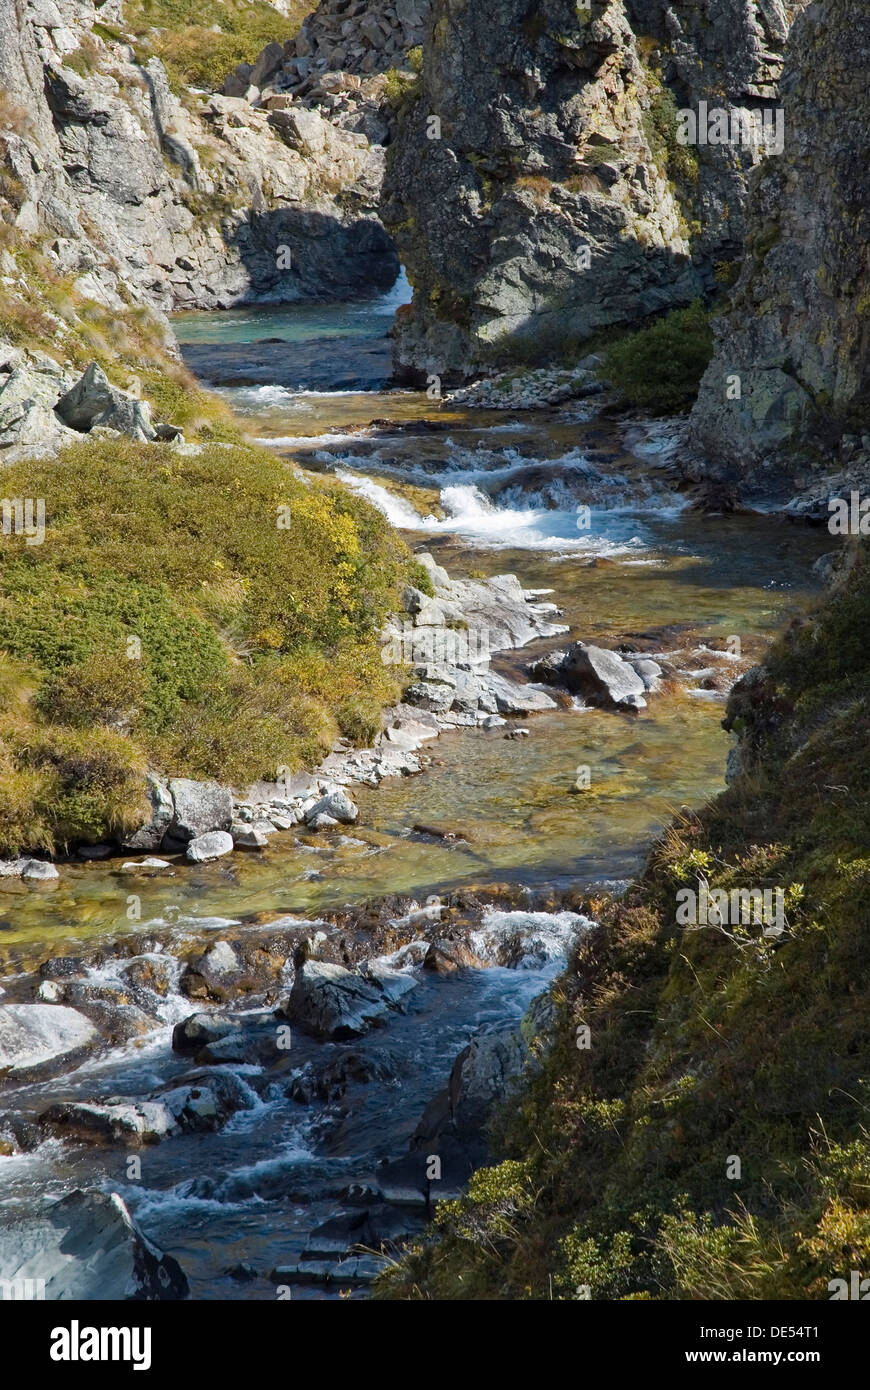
column 332, row 1002
column 256, row 1036
column 131, row 1123
column 330, row 1082
column 206, row 1101
column 649, row 671
column 88, row 1247
column 231, row 968
column 38, row 1038
column 446, row 957
column 196, row 1030
column 601, row 677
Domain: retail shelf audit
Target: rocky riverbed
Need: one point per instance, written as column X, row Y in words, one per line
column 246, row 1058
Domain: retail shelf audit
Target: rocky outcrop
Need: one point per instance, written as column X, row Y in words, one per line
column 345, row 61
column 788, row 387
column 537, row 190
column 203, row 203
column 44, row 407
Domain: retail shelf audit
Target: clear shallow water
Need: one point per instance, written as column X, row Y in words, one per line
column 487, row 493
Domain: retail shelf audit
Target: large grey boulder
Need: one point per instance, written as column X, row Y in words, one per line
column 331, row 1002
column 88, row 1247
column 196, row 1030
column 602, row 677
column 150, row 835
column 205, row 848
column 337, row 805
column 199, row 807
column 35, row 1038
column 133, row 1123
column 93, row 402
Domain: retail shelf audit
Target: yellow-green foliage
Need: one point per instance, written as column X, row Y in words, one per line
column 182, row 33
column 168, row 619
column 701, row 1048
column 678, row 161
column 401, row 87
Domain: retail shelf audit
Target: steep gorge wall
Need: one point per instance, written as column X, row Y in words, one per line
column 796, row 337
column 558, row 133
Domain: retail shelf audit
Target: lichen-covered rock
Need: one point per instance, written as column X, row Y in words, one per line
column 199, row 807
column 791, row 372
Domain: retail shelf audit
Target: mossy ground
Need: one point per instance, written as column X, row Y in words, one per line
column 201, row 41
column 706, row 1048
column 169, row 619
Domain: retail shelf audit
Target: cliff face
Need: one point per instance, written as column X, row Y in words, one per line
column 186, row 203
column 554, row 199
column 796, row 334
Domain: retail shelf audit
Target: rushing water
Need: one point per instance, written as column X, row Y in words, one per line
column 486, row 493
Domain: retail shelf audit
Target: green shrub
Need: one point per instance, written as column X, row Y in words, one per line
column 659, row 368
column 679, row 162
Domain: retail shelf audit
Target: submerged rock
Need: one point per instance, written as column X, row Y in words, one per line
column 336, row 805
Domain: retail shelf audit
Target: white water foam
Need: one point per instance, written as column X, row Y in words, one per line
column 544, row 937
column 470, row 513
